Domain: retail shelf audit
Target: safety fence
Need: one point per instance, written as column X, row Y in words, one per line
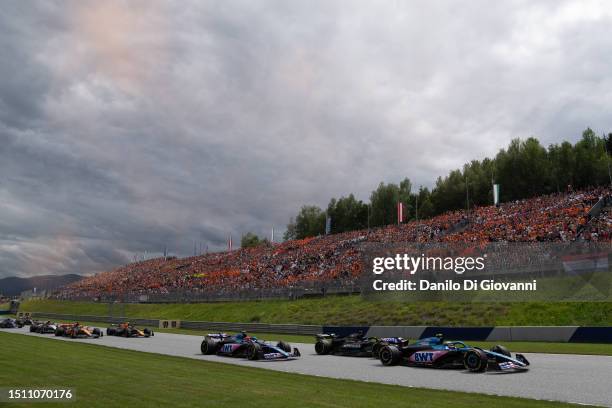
column 193, row 296
column 571, row 334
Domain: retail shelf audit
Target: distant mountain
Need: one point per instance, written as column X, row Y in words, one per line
column 13, row 286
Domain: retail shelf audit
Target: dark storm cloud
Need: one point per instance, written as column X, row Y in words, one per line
column 129, row 126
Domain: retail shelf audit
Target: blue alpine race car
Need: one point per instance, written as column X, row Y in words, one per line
column 243, row 345
column 437, row 353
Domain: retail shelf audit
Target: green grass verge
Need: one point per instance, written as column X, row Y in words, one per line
column 109, row 377
column 353, row 310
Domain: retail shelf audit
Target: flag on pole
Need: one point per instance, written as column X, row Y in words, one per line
column 327, row 225
column 229, row 242
column 496, row 195
column 400, row 213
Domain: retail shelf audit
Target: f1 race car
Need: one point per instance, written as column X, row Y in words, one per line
column 47, row 327
column 24, row 321
column 435, row 352
column 355, row 344
column 243, row 345
column 75, row 330
column 10, row 324
column 127, row 330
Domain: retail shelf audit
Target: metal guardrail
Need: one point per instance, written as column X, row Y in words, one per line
column 194, row 325
column 95, row 319
column 253, row 327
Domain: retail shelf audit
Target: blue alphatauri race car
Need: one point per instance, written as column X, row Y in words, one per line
column 243, row 345
column 436, row 353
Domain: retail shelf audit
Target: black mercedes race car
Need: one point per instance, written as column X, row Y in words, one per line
column 10, row 324
column 355, row 344
column 24, row 321
column 128, row 330
column 435, row 352
column 47, row 327
column 243, row 345
column 75, row 330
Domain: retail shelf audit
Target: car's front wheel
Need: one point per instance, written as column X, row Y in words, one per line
column 323, row 346
column 476, row 361
column 283, row 345
column 253, row 351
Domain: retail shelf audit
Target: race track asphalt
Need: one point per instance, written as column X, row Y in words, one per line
column 557, row 377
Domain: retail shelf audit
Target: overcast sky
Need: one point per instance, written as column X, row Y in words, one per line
column 125, row 126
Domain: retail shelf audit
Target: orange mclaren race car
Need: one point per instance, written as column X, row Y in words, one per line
column 76, row 330
column 127, row 330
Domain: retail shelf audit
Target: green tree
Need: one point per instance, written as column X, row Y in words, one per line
column 384, row 202
column 309, row 222
column 347, row 214
column 250, row 240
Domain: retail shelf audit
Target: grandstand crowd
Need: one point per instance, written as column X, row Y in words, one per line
column 336, row 259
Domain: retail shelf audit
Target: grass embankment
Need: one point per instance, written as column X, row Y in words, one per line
column 352, row 310
column 109, row 377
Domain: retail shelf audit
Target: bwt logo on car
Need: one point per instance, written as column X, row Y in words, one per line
column 423, row 357
column 227, row 348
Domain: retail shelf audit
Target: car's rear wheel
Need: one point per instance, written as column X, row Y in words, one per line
column 376, row 349
column 390, row 355
column 59, row 332
column 286, row 347
column 208, row 346
column 476, row 361
column 323, row 346
column 110, row 331
column 253, row 351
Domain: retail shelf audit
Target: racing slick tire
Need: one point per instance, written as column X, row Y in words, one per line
column 209, row 346
column 32, row 329
column 390, row 355
column 59, row 332
column 97, row 332
column 110, row 331
column 283, row 345
column 376, row 349
column 253, row 351
column 148, row 332
column 501, row 350
column 323, row 347
column 476, row 361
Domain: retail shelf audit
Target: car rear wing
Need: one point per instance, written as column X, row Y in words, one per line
column 217, row 335
column 323, row 336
